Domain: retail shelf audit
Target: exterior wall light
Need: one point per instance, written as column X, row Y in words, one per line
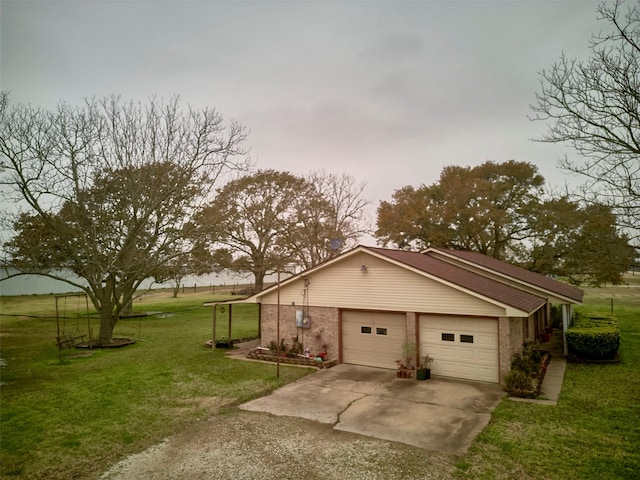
column 363, row 269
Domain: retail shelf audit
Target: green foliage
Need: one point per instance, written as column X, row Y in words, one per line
column 483, row 208
column 579, row 243
column 269, row 219
column 493, row 207
column 595, row 344
column 525, row 367
column 594, row 336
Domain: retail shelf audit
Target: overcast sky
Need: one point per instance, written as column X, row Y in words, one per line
column 389, row 92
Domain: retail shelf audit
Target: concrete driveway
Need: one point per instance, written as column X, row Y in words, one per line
column 436, row 414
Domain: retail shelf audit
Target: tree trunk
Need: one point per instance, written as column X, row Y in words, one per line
column 107, row 323
column 259, row 280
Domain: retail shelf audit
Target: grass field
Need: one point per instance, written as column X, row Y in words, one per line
column 76, row 418
column 593, row 432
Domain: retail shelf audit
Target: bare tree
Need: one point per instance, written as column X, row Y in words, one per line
column 331, row 216
column 594, row 106
column 109, row 188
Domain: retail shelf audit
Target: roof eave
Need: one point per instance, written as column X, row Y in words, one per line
column 509, row 310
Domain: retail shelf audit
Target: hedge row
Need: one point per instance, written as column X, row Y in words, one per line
column 594, row 337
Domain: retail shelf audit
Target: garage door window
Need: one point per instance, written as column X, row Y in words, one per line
column 365, row 330
column 466, row 338
column 381, row 331
column 448, row 337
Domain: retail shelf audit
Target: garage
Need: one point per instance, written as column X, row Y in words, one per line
column 373, row 339
column 467, row 310
column 462, row 347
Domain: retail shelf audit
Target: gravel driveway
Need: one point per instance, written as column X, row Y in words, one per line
column 249, row 445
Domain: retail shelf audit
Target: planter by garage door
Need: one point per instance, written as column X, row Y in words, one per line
column 373, row 339
column 461, row 347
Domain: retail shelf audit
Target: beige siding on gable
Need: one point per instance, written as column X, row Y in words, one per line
column 383, row 286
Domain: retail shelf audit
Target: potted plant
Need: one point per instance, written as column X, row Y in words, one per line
column 405, row 364
column 424, row 369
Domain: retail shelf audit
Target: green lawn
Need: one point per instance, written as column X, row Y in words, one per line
column 75, row 418
column 593, row 432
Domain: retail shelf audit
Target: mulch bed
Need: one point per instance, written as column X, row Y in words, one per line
column 115, row 343
column 537, row 381
column 574, row 359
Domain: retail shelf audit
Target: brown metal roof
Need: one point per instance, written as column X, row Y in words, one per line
column 466, row 279
column 532, row 278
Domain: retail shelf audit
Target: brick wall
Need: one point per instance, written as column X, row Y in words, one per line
column 324, row 328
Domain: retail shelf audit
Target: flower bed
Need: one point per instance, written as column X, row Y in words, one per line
column 527, row 372
column 311, row 362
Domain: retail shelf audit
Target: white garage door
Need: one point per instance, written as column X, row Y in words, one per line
column 372, row 338
column 461, row 347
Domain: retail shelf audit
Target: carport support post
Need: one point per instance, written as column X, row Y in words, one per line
column 213, row 337
column 566, row 319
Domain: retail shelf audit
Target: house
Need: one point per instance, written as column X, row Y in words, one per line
column 468, row 311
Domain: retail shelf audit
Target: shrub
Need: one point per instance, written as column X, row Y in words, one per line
column 518, row 383
column 525, row 370
column 594, row 337
column 594, row 343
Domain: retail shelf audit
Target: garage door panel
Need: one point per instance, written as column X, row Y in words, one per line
column 379, row 348
column 461, row 347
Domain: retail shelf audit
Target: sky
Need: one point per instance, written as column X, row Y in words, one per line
column 387, row 92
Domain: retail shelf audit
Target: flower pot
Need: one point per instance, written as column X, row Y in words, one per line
column 545, row 337
column 423, row 374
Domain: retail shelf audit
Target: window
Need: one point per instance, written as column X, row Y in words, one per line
column 381, row 331
column 365, row 330
column 466, row 338
column 448, row 337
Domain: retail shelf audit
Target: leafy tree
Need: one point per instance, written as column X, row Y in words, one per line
column 251, row 215
column 581, row 244
column 109, row 190
column 270, row 219
column 484, row 208
column 594, row 106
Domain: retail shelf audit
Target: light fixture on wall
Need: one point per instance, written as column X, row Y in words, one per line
column 363, row 268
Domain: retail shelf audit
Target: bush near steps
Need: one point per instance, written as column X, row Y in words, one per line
column 594, row 337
